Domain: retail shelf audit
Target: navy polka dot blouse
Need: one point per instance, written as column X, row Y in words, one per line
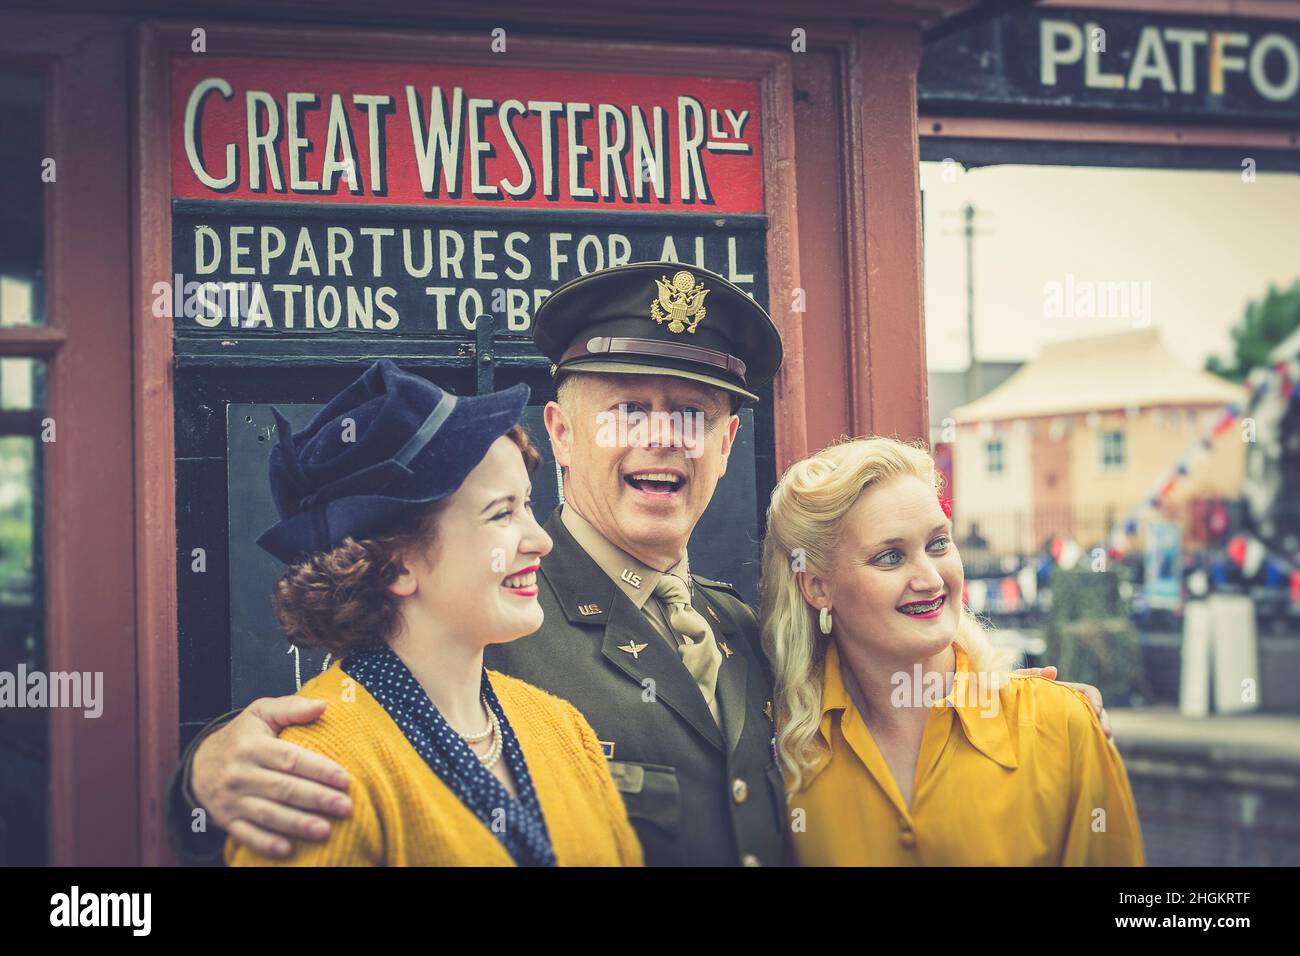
column 391, row 683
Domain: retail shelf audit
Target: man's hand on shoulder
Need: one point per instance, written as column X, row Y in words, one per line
column 1092, row 693
column 263, row 790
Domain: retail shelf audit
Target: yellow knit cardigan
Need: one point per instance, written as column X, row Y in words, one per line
column 404, row 815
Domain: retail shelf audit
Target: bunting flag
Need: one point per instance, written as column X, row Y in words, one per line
column 1065, row 552
column 1027, row 578
column 1250, row 554
column 1218, row 573
column 1010, row 594
column 1274, row 571
column 1198, row 451
column 1247, row 553
column 1244, row 550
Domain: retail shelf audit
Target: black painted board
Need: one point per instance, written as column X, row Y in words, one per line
column 1162, row 61
column 277, row 278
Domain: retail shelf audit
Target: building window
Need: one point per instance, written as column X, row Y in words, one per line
column 1113, row 456
column 993, row 457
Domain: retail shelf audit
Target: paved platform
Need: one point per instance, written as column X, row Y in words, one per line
column 1258, row 741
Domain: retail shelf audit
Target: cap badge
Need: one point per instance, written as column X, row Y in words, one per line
column 680, row 301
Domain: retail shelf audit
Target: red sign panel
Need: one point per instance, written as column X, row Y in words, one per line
column 363, row 132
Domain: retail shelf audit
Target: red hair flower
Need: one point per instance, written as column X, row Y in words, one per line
column 946, row 505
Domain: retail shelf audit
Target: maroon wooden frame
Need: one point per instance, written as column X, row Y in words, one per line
column 94, row 784
column 155, row 514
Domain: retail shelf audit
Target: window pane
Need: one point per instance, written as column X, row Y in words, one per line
column 22, row 729
column 22, row 384
column 22, row 200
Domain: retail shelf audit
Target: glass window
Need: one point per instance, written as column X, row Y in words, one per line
column 22, row 384
column 1112, row 451
column 993, row 456
column 23, row 400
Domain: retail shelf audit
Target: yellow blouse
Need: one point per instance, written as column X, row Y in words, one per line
column 1027, row 779
column 404, row 815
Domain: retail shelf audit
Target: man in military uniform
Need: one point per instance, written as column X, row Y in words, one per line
column 665, row 664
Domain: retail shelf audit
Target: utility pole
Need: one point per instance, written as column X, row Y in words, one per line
column 968, row 232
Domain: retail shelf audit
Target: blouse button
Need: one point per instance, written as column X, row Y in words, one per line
column 739, row 790
column 905, row 835
column 750, row 860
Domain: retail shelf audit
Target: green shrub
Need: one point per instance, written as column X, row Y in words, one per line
column 1090, row 637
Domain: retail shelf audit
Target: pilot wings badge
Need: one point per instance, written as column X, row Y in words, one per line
column 633, row 648
column 680, row 302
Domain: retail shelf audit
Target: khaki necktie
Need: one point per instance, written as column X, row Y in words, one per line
column 699, row 649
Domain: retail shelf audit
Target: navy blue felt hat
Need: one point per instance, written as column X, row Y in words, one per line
column 387, row 444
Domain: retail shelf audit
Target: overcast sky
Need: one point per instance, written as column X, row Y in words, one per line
column 1202, row 244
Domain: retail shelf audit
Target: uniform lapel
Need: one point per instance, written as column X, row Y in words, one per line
column 733, row 674
column 631, row 643
column 634, row 646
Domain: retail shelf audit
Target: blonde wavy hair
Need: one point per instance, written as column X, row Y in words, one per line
column 804, row 520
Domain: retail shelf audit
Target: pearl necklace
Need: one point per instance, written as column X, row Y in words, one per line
column 486, row 731
column 489, row 759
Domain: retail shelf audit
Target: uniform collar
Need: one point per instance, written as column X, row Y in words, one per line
column 989, row 733
column 634, row 578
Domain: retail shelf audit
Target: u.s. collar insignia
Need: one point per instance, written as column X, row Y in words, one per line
column 713, row 614
column 680, row 302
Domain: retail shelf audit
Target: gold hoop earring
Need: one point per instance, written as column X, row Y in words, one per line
column 824, row 620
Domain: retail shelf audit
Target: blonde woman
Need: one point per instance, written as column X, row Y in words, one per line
column 903, row 737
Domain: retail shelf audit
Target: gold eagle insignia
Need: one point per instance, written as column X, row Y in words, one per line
column 680, row 302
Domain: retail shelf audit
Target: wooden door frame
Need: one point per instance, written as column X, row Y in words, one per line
column 151, row 189
column 90, row 623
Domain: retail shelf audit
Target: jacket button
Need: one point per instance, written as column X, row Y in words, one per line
column 739, row 790
column 750, row 860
